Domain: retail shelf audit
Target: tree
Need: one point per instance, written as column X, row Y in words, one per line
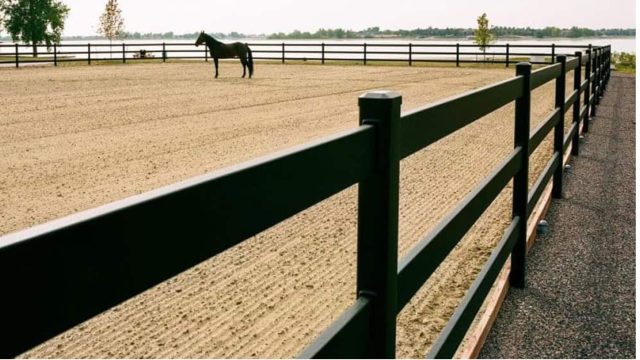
column 482, row 35
column 34, row 21
column 111, row 22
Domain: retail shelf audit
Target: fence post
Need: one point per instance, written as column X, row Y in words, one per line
column 457, row 54
column 323, row 53
column 206, row 55
column 410, row 54
column 89, row 53
column 17, row 56
column 164, row 52
column 365, row 53
column 124, row 57
column 283, row 53
column 553, row 53
column 606, row 67
column 55, row 54
column 577, row 78
column 599, row 75
column 378, row 222
column 507, row 60
column 594, row 82
column 587, row 92
column 520, row 180
column 558, row 135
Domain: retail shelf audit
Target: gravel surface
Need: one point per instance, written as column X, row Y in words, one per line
column 580, row 295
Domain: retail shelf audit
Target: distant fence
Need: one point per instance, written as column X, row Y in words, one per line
column 59, row 274
column 409, row 53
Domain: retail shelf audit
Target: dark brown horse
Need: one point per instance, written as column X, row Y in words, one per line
column 220, row 50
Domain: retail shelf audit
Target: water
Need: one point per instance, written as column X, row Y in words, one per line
column 391, row 49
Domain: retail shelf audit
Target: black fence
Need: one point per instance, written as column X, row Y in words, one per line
column 59, row 274
column 409, row 53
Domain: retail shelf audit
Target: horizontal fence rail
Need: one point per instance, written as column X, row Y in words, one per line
column 59, row 274
column 364, row 52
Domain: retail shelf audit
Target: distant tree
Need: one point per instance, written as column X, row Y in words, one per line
column 482, row 36
column 34, row 21
column 111, row 22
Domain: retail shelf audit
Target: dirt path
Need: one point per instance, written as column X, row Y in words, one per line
column 78, row 137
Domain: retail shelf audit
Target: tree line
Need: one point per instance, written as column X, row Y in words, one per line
column 38, row 22
column 497, row 31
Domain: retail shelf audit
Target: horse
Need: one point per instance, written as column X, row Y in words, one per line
column 220, row 50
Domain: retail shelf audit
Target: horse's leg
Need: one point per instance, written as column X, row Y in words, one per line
column 243, row 61
column 215, row 63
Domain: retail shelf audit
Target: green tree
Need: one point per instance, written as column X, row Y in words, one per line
column 482, row 36
column 34, row 21
column 111, row 22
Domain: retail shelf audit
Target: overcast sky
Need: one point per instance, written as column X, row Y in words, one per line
column 268, row 16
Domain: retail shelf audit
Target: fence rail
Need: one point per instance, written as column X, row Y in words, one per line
column 364, row 52
column 59, row 274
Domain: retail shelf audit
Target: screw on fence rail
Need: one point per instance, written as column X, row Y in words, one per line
column 323, row 53
column 558, row 134
column 506, row 62
column 457, row 54
column 17, row 56
column 89, row 53
column 378, row 222
column 124, row 57
column 55, row 54
column 410, row 54
column 164, row 52
column 577, row 78
column 587, row 92
column 520, row 180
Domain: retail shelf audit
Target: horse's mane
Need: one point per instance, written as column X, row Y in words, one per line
column 210, row 38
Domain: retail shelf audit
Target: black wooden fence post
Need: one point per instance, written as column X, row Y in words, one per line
column 553, row 53
column 365, row 53
column 89, row 53
column 55, row 54
column 575, row 147
column 17, row 56
column 598, row 75
column 594, row 82
column 587, row 92
column 410, row 54
column 323, row 53
column 283, row 53
column 457, row 55
column 507, row 59
column 558, row 135
column 378, row 222
column 164, row 52
column 124, row 57
column 206, row 54
column 520, row 180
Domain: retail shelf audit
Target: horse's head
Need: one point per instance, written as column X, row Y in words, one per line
column 201, row 38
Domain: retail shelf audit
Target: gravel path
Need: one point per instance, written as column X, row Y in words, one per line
column 580, row 296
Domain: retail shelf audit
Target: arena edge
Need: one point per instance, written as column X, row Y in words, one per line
column 66, row 271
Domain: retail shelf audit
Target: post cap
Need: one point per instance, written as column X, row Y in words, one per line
column 380, row 94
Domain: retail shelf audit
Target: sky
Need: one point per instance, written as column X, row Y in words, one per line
column 269, row 16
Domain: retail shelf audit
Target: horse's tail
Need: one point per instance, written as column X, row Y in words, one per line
column 249, row 60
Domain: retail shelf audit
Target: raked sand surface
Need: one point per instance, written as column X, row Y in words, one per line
column 73, row 138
